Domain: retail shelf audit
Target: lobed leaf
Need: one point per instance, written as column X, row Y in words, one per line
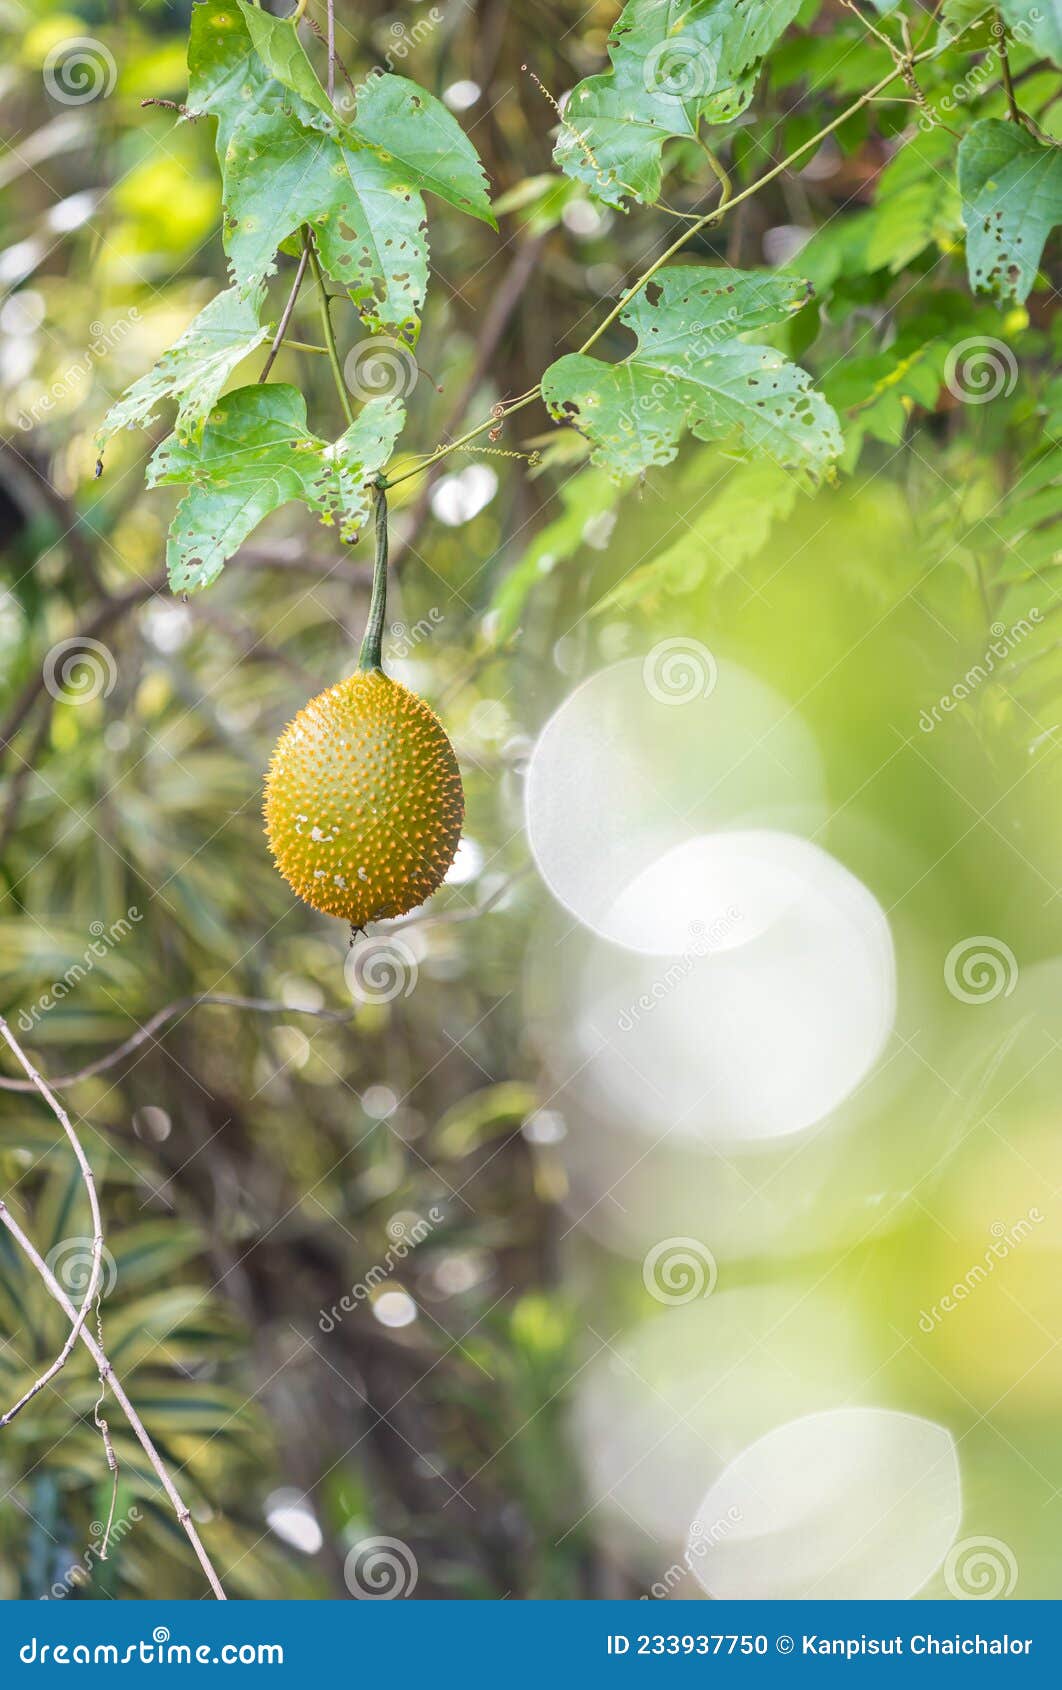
column 287, row 159
column 195, row 369
column 675, row 65
column 424, row 140
column 1011, row 190
column 257, row 454
column 692, row 370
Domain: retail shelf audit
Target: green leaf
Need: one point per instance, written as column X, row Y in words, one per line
column 372, row 237
column 368, row 222
column 957, row 16
column 1011, row 188
column 675, row 64
column 1036, row 24
column 227, row 79
column 195, row 369
column 287, row 160
column 257, row 454
column 277, row 43
column 916, row 204
column 419, row 135
column 692, row 370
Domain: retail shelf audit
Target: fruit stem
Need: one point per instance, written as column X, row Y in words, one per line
column 372, row 644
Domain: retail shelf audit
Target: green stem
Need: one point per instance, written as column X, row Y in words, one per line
column 371, row 656
column 326, row 325
column 726, row 204
column 999, row 29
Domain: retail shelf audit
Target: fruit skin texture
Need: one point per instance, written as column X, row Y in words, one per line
column 364, row 803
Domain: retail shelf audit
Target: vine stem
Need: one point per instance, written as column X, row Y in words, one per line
column 326, row 325
column 282, row 326
column 107, row 1373
column 371, row 656
column 88, row 1180
column 999, row 30
column 726, row 204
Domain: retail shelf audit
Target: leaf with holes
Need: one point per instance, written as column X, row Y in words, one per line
column 691, row 369
column 1011, row 190
column 675, row 65
column 287, row 161
column 195, row 369
column 257, row 454
column 369, row 223
column 424, row 141
column 228, row 80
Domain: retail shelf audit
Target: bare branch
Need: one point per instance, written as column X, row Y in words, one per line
column 282, row 326
column 108, row 1374
column 35, row 1083
column 263, row 1006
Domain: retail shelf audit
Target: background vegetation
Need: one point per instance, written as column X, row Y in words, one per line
column 258, row 1165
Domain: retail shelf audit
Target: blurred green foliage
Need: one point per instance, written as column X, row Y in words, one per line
column 256, row 1167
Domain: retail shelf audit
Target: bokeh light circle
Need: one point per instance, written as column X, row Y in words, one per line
column 622, row 775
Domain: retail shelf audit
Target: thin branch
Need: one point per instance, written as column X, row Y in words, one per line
column 107, row 1373
column 35, row 1083
column 263, row 1006
column 333, row 55
column 999, row 30
column 282, row 326
column 326, row 324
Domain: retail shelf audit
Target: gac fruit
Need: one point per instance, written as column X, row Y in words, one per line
column 363, row 803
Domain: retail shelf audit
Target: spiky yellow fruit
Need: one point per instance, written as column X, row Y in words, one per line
column 363, row 801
